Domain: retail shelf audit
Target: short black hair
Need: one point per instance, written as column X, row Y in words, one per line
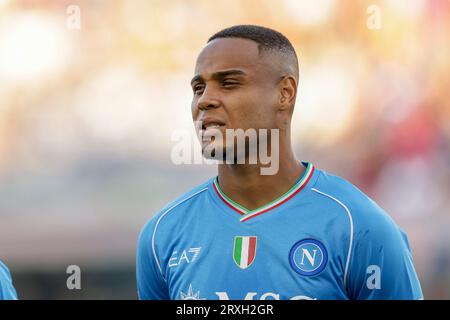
column 267, row 39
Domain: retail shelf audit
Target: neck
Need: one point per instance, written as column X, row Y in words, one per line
column 245, row 184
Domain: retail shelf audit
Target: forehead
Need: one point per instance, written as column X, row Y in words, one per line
column 228, row 53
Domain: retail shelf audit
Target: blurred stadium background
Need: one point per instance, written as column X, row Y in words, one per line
column 86, row 118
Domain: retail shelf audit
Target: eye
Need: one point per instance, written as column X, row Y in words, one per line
column 198, row 88
column 227, row 83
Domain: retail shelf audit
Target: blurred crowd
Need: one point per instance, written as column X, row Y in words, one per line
column 90, row 93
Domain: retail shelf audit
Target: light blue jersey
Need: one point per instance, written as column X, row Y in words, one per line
column 7, row 291
column 323, row 239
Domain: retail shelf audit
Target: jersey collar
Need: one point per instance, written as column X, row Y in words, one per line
column 248, row 214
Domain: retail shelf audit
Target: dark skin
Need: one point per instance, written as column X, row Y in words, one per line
column 241, row 87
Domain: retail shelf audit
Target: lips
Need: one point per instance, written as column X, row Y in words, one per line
column 211, row 123
column 209, row 127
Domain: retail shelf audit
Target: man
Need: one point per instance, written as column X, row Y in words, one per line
column 7, row 291
column 300, row 233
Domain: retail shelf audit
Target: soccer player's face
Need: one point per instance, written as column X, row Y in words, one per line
column 234, row 87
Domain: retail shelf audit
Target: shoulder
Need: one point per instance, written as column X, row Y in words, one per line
column 171, row 214
column 4, row 273
column 6, row 289
column 364, row 213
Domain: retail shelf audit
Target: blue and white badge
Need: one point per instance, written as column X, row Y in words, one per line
column 308, row 257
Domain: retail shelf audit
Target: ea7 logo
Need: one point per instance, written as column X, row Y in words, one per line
column 185, row 256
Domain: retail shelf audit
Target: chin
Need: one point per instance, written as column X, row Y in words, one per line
column 211, row 155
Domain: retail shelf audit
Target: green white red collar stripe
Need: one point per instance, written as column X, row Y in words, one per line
column 248, row 214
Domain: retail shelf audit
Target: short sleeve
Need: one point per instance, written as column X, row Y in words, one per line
column 7, row 291
column 150, row 282
column 381, row 265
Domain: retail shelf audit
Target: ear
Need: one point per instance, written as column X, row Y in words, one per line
column 288, row 91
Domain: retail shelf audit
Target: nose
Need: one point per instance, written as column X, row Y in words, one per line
column 208, row 100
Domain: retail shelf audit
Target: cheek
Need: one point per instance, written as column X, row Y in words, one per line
column 263, row 108
column 194, row 109
column 252, row 111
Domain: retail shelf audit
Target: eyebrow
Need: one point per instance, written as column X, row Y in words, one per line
column 219, row 75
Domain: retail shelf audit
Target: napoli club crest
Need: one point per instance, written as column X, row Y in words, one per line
column 308, row 257
column 244, row 251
